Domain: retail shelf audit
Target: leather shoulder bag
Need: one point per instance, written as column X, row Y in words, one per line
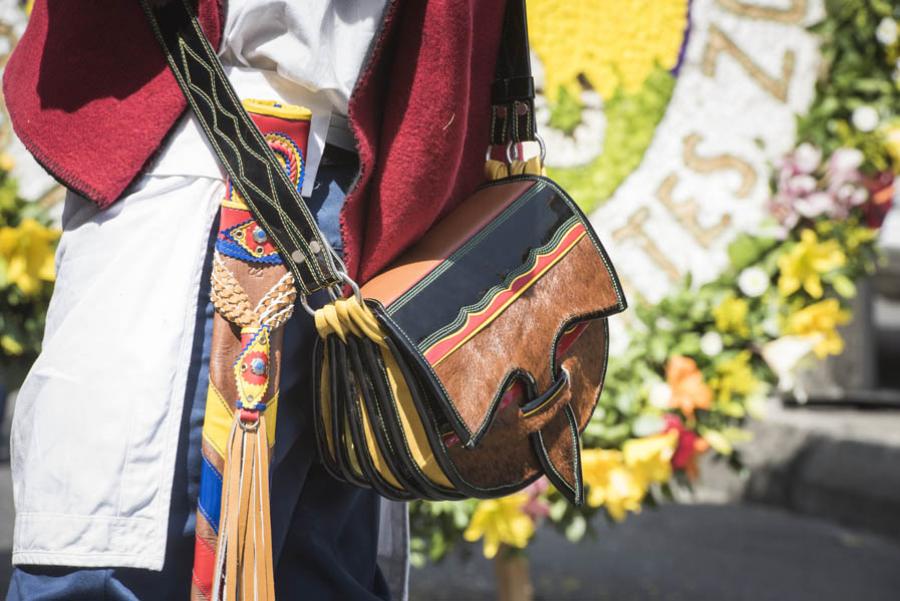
column 470, row 366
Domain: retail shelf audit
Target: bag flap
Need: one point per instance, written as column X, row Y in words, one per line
column 481, row 301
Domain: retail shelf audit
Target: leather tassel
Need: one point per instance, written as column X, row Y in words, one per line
column 244, row 554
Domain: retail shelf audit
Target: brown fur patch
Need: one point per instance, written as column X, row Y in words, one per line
column 522, row 337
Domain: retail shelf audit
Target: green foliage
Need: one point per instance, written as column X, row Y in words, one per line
column 631, row 121
column 857, row 71
column 566, row 114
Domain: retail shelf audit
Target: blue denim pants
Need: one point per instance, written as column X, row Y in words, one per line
column 325, row 533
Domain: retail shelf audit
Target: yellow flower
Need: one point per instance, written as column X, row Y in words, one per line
column 27, row 251
column 500, row 522
column 10, row 345
column 820, row 321
column 734, row 377
column 892, row 145
column 611, row 43
column 731, row 316
column 689, row 391
column 650, row 457
column 804, row 264
column 6, row 162
column 611, row 484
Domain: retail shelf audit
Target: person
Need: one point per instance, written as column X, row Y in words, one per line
column 107, row 432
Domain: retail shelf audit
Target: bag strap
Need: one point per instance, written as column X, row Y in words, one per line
column 512, row 94
column 255, row 173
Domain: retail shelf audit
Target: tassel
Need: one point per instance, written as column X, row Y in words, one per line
column 244, row 553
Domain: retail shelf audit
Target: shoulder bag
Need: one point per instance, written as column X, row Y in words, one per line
column 470, row 366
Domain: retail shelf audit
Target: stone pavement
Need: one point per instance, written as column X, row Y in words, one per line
column 835, row 463
column 675, row 553
column 692, row 553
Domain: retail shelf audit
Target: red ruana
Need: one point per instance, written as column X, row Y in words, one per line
column 90, row 96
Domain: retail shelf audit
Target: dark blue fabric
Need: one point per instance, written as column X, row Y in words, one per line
column 325, row 533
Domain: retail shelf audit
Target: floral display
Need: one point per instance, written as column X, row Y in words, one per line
column 704, row 359
column 27, row 247
column 628, row 53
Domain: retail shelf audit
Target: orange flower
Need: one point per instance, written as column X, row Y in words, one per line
column 689, row 391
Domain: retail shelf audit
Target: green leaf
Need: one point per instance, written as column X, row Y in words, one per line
column 717, row 441
column 844, row 286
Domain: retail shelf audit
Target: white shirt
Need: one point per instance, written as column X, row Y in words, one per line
column 97, row 420
column 294, row 51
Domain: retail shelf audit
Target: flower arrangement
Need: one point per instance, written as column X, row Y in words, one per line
column 701, row 362
column 27, row 247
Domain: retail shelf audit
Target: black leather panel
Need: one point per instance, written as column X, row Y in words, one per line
column 496, row 253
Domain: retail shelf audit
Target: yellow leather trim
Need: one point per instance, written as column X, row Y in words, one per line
column 348, row 316
column 416, row 438
column 374, row 452
column 271, row 419
column 273, row 108
column 217, row 421
column 235, row 202
column 219, row 417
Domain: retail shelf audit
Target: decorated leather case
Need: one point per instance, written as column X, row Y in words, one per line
column 488, row 366
column 253, row 294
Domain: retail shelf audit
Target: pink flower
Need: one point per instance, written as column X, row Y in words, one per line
column 536, row 506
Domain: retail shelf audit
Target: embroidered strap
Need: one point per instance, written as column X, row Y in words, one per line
column 256, row 175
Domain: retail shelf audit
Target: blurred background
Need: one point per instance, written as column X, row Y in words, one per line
column 738, row 160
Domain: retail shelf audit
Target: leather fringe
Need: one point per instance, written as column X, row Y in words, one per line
column 244, row 554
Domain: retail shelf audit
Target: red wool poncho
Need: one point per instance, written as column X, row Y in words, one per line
column 90, row 95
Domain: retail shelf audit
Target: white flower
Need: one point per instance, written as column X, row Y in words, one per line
column 783, row 356
column 801, row 184
column 665, row 324
column 860, row 196
column 814, row 205
column 886, row 32
column 844, row 161
column 753, row 281
column 711, row 344
column 660, row 395
column 865, row 118
column 770, row 324
column 807, row 157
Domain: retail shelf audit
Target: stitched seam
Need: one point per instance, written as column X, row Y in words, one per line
column 446, row 396
column 404, row 439
column 463, row 250
column 254, row 132
column 185, row 50
column 242, row 181
column 480, row 305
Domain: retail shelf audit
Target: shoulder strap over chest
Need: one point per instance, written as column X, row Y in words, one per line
column 255, row 173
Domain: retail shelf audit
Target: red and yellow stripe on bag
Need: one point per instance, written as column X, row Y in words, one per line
column 502, row 298
column 253, row 294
